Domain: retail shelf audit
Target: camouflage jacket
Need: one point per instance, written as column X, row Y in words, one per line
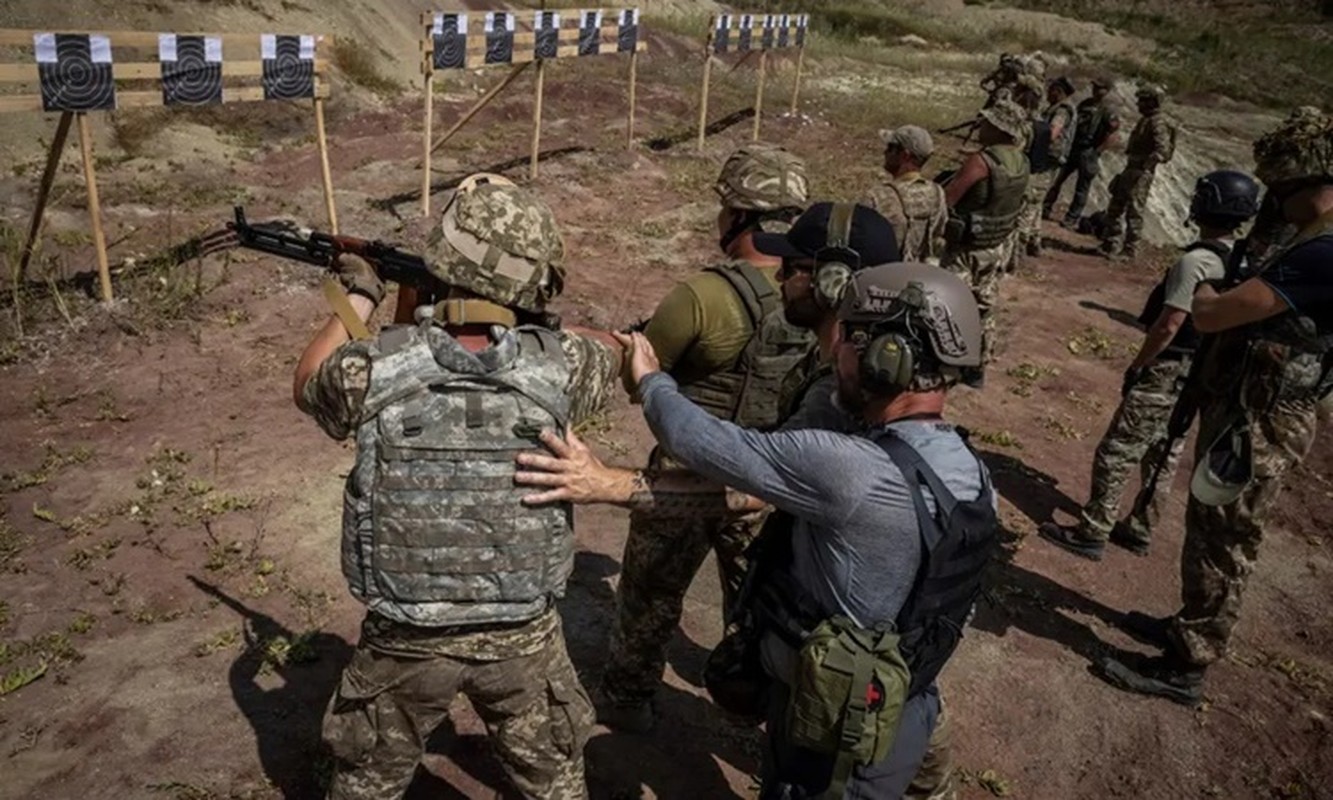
column 916, row 208
column 1152, row 142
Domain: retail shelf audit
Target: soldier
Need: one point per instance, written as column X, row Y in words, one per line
column 722, row 335
column 1053, row 135
column 1258, row 387
column 459, row 579
column 1151, row 144
column 1223, row 201
column 985, row 198
column 910, row 202
column 1095, row 127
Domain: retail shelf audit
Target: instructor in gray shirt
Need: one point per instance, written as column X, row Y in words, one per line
column 860, row 549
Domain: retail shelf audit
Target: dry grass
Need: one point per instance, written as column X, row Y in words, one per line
column 356, row 61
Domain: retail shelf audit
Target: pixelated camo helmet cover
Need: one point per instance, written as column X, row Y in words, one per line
column 763, row 177
column 499, row 241
column 1299, row 151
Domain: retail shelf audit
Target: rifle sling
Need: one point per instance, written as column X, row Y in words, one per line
column 474, row 312
column 333, row 292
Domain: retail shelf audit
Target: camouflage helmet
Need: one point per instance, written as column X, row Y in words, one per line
column 1009, row 117
column 763, row 177
column 1151, row 93
column 929, row 302
column 1298, row 151
column 500, row 242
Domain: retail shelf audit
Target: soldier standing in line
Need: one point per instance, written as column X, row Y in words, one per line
column 1095, row 129
column 1151, row 144
column 985, row 198
column 1259, row 387
column 913, row 204
column 1223, row 201
column 458, row 577
column 1057, row 123
column 722, row 335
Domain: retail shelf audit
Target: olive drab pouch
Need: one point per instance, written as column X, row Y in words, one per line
column 848, row 695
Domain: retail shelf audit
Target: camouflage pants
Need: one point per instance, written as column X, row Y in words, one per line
column 386, row 706
column 1029, row 222
column 1129, row 197
column 935, row 777
column 661, row 559
column 1136, row 435
column 1222, row 542
column 982, row 269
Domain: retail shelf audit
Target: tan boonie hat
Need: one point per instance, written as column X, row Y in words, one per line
column 1226, row 468
column 1009, row 117
column 499, row 241
column 763, row 177
column 910, row 138
column 1299, row 150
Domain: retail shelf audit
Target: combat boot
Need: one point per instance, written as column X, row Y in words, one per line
column 1124, row 535
column 1073, row 539
column 1154, row 631
column 1034, row 247
column 625, row 717
column 1160, row 676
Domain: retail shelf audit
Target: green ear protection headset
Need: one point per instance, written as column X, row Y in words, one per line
column 836, row 260
column 890, row 360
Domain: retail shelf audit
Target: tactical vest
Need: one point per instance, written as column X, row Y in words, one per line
column 1094, row 125
column 805, row 373
column 747, row 392
column 1060, row 146
column 1040, row 157
column 990, row 210
column 434, row 530
column 1143, row 140
column 921, row 201
column 1186, row 340
column 1283, row 359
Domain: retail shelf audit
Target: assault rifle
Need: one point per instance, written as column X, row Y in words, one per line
column 1191, row 395
column 286, row 240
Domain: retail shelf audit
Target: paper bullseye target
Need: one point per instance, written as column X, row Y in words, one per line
column 289, row 66
column 74, row 71
column 191, row 69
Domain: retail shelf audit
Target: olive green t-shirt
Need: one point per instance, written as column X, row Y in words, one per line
column 701, row 326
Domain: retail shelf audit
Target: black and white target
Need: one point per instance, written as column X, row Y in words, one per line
column 784, row 34
column 722, row 34
column 590, row 33
column 499, row 37
column 546, row 27
column 802, row 22
column 627, row 37
column 766, row 33
column 745, row 33
column 191, row 69
column 289, row 66
column 74, row 71
column 449, row 36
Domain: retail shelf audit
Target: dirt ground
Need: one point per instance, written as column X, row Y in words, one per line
column 169, row 521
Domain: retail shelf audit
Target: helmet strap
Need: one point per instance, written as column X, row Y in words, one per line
column 746, row 221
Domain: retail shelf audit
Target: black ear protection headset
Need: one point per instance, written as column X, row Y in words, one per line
column 836, row 260
column 891, row 359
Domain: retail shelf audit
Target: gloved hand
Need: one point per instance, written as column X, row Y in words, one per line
column 1132, row 376
column 357, row 276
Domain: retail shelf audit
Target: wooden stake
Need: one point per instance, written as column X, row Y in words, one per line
column 94, row 205
column 44, row 192
column 425, row 142
column 796, row 87
column 479, row 105
column 633, row 86
column 537, row 120
column 703, row 99
column 759, row 94
column 324, row 166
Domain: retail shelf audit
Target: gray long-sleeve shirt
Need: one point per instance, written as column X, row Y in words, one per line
column 856, row 544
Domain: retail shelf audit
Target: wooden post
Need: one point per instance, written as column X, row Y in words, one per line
column 537, row 120
column 425, row 142
column 324, row 166
column 796, row 87
column 708, row 75
column 44, row 193
column 94, row 205
column 478, row 106
column 759, row 94
column 633, row 86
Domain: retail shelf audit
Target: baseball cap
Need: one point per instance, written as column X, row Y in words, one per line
column 911, row 138
column 871, row 236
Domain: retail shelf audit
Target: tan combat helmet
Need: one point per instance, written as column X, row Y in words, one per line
column 1298, row 152
column 1009, row 117
column 500, row 242
column 1226, row 468
column 1152, row 94
column 763, row 177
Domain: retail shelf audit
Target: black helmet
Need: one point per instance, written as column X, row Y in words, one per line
column 1226, row 197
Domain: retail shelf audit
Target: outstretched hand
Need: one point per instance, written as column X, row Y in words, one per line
column 571, row 474
column 640, row 358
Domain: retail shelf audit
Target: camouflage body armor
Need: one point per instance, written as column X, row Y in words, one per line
column 989, row 212
column 434, row 533
column 747, row 393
